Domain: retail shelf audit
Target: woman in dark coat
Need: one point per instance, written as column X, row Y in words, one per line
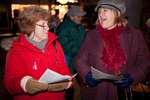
column 114, row 48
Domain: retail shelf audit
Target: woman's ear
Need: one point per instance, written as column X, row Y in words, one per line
column 32, row 34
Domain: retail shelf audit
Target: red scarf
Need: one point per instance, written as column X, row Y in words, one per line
column 113, row 55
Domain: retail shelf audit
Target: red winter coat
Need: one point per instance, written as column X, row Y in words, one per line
column 20, row 62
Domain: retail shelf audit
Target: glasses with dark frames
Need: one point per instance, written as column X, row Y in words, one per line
column 41, row 25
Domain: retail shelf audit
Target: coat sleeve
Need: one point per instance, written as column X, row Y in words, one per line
column 61, row 58
column 14, row 72
column 81, row 60
column 141, row 66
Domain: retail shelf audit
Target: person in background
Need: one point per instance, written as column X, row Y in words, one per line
column 15, row 27
column 114, row 48
column 71, row 35
column 35, row 51
column 54, row 21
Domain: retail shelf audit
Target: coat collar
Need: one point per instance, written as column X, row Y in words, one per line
column 24, row 43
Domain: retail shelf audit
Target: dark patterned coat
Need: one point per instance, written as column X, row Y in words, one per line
column 137, row 64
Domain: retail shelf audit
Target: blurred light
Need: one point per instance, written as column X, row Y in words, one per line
column 62, row 10
column 21, row 6
column 62, row 1
column 67, row 1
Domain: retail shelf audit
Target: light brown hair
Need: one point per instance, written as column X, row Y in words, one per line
column 29, row 16
column 120, row 19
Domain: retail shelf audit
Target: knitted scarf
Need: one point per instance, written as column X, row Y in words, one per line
column 113, row 55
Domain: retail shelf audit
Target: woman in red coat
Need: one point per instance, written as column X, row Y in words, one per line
column 34, row 52
column 114, row 48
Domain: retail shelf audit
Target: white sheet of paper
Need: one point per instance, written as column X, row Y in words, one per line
column 97, row 74
column 50, row 76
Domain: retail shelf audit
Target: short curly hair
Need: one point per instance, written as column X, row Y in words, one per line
column 29, row 16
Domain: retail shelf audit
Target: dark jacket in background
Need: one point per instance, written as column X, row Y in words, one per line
column 70, row 36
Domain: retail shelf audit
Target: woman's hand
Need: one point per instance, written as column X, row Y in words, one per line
column 33, row 86
column 59, row 86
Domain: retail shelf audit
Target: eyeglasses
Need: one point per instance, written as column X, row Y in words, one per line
column 41, row 25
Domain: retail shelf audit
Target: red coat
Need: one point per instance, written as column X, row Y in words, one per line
column 21, row 60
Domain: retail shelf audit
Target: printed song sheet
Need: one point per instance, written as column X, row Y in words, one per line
column 50, row 76
column 97, row 74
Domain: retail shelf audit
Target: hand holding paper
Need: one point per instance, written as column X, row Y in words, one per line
column 50, row 76
column 59, row 86
column 56, row 81
column 33, row 86
column 97, row 74
column 90, row 81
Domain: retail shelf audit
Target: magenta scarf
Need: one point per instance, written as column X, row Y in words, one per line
column 113, row 55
